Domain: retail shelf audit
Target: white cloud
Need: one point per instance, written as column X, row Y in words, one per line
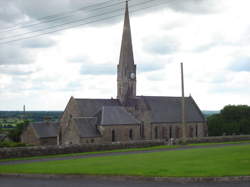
column 209, row 38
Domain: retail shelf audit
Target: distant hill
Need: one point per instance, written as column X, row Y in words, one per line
column 55, row 115
column 210, row 112
column 31, row 115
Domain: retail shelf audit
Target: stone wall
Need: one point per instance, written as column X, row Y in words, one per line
column 29, row 137
column 121, row 133
column 216, row 139
column 52, row 150
column 165, row 131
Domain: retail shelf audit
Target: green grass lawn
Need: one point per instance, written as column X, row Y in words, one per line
column 123, row 150
column 223, row 161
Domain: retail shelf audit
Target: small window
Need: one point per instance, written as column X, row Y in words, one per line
column 156, row 132
column 196, row 130
column 92, row 140
column 170, row 132
column 113, row 135
column 131, row 134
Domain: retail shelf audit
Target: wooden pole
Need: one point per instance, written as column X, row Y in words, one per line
column 183, row 120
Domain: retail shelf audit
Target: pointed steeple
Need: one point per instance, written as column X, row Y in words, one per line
column 126, row 74
column 126, row 54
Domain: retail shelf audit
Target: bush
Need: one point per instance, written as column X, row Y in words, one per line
column 11, row 144
column 15, row 133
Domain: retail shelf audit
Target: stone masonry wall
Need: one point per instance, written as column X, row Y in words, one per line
column 121, row 133
column 53, row 150
column 29, row 136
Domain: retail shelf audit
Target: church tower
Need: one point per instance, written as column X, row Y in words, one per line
column 126, row 69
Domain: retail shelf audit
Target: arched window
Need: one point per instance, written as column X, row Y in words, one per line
column 113, row 135
column 156, row 132
column 170, row 132
column 196, row 130
column 131, row 134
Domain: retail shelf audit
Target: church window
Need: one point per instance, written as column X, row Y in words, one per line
column 156, row 132
column 170, row 132
column 131, row 134
column 191, row 132
column 142, row 130
column 196, row 130
column 113, row 135
column 177, row 132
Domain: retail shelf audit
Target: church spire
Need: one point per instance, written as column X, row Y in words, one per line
column 126, row 77
column 126, row 54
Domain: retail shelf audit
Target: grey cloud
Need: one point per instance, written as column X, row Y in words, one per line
column 38, row 43
column 98, row 69
column 240, row 64
column 160, row 46
column 13, row 54
column 34, row 10
column 149, row 66
column 78, row 59
column 18, row 70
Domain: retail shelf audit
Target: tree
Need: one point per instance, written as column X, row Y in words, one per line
column 233, row 119
column 15, row 133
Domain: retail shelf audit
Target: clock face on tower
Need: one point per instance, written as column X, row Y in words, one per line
column 132, row 76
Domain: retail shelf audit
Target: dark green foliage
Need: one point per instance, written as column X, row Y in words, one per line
column 232, row 120
column 11, row 144
column 31, row 115
column 15, row 133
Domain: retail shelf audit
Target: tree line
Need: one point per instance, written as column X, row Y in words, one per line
column 232, row 120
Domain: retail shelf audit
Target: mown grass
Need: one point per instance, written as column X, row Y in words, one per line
column 223, row 161
column 95, row 152
column 122, row 150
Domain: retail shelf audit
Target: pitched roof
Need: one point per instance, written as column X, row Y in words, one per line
column 46, row 129
column 89, row 107
column 168, row 109
column 117, row 115
column 86, row 127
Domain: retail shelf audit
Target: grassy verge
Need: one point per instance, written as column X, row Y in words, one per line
column 122, row 150
column 223, row 161
column 96, row 152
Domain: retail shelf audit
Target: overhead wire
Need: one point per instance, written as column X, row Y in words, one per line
column 52, row 17
column 87, row 23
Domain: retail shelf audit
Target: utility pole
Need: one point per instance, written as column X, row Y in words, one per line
column 183, row 120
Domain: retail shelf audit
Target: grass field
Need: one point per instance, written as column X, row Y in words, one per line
column 223, row 161
column 123, row 150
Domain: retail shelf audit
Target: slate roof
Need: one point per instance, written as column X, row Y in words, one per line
column 86, row 127
column 46, row 129
column 117, row 115
column 168, row 109
column 89, row 107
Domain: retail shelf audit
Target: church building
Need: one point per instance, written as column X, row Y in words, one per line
column 128, row 117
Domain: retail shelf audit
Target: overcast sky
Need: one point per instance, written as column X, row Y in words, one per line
column 211, row 38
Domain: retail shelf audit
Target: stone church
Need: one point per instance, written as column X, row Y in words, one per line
column 128, row 117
